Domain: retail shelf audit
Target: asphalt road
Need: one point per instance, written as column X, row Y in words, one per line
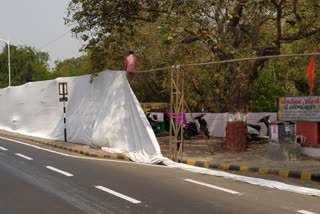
column 38, row 181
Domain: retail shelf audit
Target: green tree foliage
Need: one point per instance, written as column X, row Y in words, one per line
column 27, row 65
column 73, row 67
column 175, row 32
column 265, row 92
column 155, row 47
column 225, row 29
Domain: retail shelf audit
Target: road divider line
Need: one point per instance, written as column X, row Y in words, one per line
column 213, row 187
column 2, row 148
column 23, row 156
column 59, row 171
column 305, row 212
column 132, row 200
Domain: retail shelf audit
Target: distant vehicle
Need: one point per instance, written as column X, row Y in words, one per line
column 155, row 113
column 254, row 130
column 192, row 129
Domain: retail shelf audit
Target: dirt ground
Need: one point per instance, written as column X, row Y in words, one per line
column 197, row 149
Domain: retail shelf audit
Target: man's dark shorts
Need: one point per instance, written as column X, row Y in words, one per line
column 130, row 76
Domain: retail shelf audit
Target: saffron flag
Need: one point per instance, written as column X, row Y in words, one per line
column 310, row 71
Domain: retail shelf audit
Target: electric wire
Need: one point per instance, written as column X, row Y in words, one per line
column 157, row 69
column 54, row 40
column 230, row 61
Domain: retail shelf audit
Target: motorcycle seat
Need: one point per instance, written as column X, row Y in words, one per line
column 256, row 127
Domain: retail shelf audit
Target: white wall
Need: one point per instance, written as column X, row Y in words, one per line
column 217, row 122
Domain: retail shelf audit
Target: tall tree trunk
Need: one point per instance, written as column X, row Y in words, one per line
column 236, row 130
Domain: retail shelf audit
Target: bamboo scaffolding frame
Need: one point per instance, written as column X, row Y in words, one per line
column 176, row 109
column 177, row 101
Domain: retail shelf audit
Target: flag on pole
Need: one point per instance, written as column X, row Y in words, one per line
column 310, row 71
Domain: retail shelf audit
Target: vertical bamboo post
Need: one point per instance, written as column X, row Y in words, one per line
column 182, row 101
column 176, row 109
column 176, row 117
column 172, row 140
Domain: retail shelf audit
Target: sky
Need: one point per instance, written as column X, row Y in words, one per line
column 39, row 24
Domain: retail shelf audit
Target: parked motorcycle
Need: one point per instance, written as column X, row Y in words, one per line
column 192, row 129
column 254, row 130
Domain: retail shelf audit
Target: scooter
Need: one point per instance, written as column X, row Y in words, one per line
column 192, row 129
column 152, row 122
column 254, row 130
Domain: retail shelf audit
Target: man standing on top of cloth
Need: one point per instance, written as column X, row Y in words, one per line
column 130, row 66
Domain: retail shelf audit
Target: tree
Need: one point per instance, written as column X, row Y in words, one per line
column 229, row 29
column 264, row 93
column 27, row 65
column 74, row 67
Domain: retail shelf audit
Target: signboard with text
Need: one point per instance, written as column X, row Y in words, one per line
column 299, row 108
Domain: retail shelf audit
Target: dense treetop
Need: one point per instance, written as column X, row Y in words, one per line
column 170, row 32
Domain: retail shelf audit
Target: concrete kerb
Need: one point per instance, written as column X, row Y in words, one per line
column 208, row 165
column 283, row 173
column 89, row 154
column 204, row 164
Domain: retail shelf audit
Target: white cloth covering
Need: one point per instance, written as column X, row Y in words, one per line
column 104, row 113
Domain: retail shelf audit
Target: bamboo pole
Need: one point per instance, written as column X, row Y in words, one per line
column 171, row 119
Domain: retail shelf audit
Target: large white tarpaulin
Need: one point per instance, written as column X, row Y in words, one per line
column 104, row 113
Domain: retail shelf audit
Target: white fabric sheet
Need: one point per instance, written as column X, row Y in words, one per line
column 105, row 113
column 250, row 180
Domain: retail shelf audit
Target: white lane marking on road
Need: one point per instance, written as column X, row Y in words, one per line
column 79, row 157
column 246, row 179
column 253, row 181
column 2, row 148
column 132, row 200
column 23, row 156
column 59, row 171
column 213, row 187
column 305, row 212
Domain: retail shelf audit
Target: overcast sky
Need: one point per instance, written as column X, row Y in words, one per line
column 40, row 24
